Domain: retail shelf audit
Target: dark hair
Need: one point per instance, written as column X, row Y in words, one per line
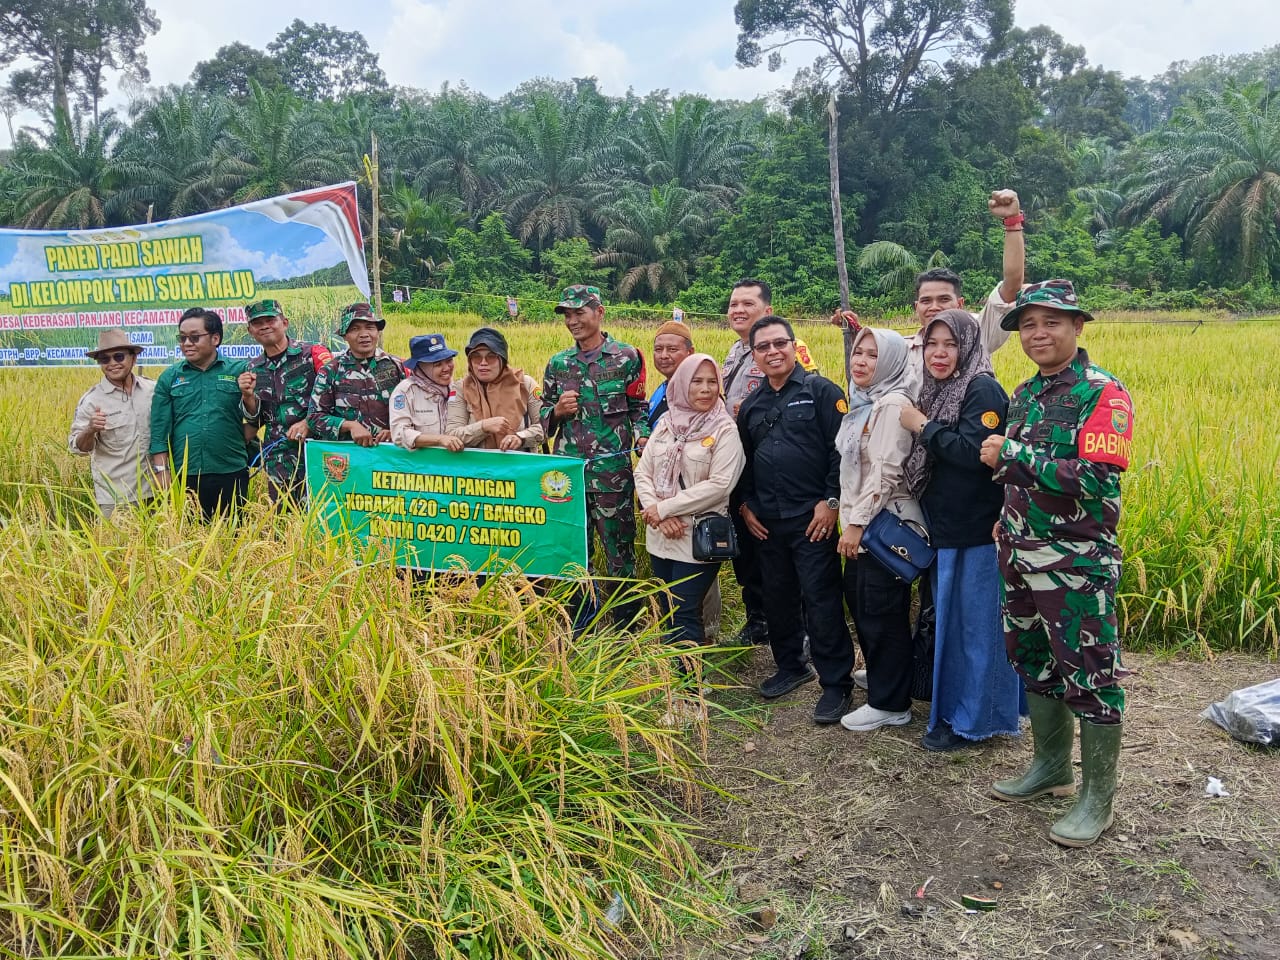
column 939, row 275
column 766, row 291
column 212, row 322
column 768, row 321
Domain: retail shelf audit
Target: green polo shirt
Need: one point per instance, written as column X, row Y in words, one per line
column 197, row 412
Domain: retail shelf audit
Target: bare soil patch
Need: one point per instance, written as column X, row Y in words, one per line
column 830, row 834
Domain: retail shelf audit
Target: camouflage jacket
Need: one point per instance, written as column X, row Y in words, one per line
column 283, row 390
column 1070, row 437
column 348, row 388
column 612, row 412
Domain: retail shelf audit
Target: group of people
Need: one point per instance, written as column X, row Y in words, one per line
column 1019, row 497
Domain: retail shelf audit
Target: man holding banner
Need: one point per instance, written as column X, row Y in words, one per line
column 274, row 391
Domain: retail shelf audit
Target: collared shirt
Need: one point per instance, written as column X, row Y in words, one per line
column 283, row 390
column 1070, row 436
column 789, row 437
column 351, row 388
column 743, row 376
column 657, row 405
column 195, row 417
column 415, row 411
column 118, row 461
column 993, row 338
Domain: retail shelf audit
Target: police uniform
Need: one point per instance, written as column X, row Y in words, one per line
column 789, row 438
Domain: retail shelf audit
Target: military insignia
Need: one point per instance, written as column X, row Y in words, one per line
column 991, row 419
column 399, row 402
column 335, row 466
column 842, row 406
column 752, row 385
column 1120, row 420
column 556, row 486
column 708, row 441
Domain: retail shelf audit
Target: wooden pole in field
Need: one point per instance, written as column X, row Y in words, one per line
column 837, row 220
column 377, row 260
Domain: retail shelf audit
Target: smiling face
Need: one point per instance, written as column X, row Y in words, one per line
column 704, row 387
column 440, row 372
column 746, row 306
column 484, row 364
column 774, row 351
column 583, row 324
column 1049, row 336
column 862, row 365
column 271, row 331
column 933, row 297
column 198, row 346
column 941, row 352
column 117, row 365
column 362, row 338
column 668, row 350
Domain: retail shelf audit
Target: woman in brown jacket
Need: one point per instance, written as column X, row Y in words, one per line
column 495, row 407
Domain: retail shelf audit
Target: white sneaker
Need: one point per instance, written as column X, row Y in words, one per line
column 867, row 717
column 860, row 679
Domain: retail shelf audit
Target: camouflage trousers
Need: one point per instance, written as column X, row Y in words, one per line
column 1060, row 635
column 612, row 518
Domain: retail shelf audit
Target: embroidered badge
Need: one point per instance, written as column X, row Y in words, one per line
column 708, row 441
column 991, row 419
column 399, row 402
column 841, row 406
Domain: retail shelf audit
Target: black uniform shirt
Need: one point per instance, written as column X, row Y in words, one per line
column 789, row 437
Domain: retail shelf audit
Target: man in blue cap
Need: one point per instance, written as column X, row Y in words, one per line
column 352, row 396
column 420, row 403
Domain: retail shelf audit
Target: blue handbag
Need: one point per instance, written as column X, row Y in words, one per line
column 901, row 546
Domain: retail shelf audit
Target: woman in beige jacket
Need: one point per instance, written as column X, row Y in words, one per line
column 874, row 447
column 495, row 406
column 419, row 401
column 690, row 464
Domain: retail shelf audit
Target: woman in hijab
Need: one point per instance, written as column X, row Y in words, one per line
column 976, row 693
column 419, row 402
column 690, row 464
column 873, row 449
column 495, row 407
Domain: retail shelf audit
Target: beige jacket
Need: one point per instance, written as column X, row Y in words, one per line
column 414, row 412
column 461, row 422
column 710, row 472
column 119, row 462
column 880, row 482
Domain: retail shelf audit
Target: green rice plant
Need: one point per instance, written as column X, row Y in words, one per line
column 238, row 742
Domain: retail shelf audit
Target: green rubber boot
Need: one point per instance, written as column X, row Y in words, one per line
column 1053, row 728
column 1091, row 814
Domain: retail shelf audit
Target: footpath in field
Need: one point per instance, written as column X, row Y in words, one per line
column 832, row 833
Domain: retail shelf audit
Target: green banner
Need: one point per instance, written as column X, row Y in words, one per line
column 439, row 510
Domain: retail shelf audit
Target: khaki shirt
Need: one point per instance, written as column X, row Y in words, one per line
column 119, row 462
column 710, row 472
column 881, row 481
column 462, row 424
column 415, row 412
column 993, row 338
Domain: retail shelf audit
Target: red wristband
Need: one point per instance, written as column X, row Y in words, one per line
column 1017, row 220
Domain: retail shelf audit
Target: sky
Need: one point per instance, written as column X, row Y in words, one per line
column 678, row 45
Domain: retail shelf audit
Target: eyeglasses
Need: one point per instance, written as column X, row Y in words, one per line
column 117, row 357
column 764, row 346
column 191, row 337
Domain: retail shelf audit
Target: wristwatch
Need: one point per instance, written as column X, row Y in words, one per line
column 159, row 468
column 833, row 503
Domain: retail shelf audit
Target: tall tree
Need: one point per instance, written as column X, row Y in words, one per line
column 320, row 62
column 72, row 44
column 652, row 238
column 230, row 70
column 68, row 181
column 690, row 141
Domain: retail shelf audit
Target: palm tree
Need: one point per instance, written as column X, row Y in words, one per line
column 69, row 180
column 691, row 141
column 458, row 131
column 1097, row 163
column 895, row 265
column 652, row 237
column 419, row 228
column 1216, row 172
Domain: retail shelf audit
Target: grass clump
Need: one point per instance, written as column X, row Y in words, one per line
column 240, row 743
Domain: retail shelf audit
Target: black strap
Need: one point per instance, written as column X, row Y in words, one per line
column 733, row 374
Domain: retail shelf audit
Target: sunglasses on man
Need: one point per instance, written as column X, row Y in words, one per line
column 117, row 357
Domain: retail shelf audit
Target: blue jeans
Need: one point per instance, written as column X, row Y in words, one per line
column 688, row 584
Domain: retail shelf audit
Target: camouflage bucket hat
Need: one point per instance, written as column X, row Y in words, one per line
column 263, row 308
column 579, row 295
column 1058, row 294
column 354, row 312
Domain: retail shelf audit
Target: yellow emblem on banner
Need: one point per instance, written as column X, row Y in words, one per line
column 841, row 406
column 708, row 441
column 991, row 419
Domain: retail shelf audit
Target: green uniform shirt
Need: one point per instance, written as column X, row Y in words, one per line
column 195, row 417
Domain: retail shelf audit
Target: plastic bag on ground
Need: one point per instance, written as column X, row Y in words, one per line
column 1251, row 714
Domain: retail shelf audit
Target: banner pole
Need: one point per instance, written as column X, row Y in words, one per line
column 377, row 260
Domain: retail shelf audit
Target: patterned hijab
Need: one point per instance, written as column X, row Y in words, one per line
column 686, row 423
column 941, row 400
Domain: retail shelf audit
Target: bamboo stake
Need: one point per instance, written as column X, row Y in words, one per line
column 377, row 260
column 837, row 221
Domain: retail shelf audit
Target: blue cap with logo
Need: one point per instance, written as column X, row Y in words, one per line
column 430, row 348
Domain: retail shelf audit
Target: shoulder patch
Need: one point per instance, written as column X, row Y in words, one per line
column 1107, row 436
column 991, row 419
column 842, row 406
column 398, row 401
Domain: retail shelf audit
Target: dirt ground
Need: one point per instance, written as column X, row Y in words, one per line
column 832, row 833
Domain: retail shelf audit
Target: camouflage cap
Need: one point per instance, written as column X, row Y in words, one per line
column 354, row 312
column 263, row 308
column 579, row 295
column 1056, row 294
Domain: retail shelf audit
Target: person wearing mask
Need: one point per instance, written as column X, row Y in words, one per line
column 495, row 406
column 873, row 453
column 976, row 693
column 420, row 402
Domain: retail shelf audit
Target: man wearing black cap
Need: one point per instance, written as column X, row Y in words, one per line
column 274, row 391
column 351, row 398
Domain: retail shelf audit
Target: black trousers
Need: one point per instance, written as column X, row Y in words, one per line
column 688, row 584
column 219, row 492
column 881, row 607
column 804, row 590
column 746, row 565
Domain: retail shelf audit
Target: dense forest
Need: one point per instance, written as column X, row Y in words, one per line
column 1160, row 192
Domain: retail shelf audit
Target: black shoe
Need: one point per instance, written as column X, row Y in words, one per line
column 942, row 738
column 784, row 681
column 754, row 632
column 832, row 705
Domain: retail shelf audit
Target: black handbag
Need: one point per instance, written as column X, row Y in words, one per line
column 714, row 538
column 901, row 546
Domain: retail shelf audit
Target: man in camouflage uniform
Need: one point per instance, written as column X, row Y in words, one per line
column 352, row 394
column 1070, row 436
column 593, row 407
column 274, row 391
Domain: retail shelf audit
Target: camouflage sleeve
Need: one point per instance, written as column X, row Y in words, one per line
column 1023, row 466
column 637, row 405
column 325, row 425
column 550, row 397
